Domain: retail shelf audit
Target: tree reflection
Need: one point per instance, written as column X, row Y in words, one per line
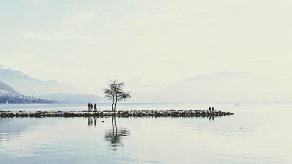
column 115, row 135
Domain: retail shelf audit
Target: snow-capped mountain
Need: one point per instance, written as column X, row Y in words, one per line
column 48, row 90
column 30, row 86
column 7, row 90
column 9, row 95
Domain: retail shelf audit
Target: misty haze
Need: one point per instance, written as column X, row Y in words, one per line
column 145, row 81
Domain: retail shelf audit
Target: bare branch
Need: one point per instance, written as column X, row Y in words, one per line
column 115, row 92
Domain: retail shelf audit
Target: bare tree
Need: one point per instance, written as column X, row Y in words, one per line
column 115, row 93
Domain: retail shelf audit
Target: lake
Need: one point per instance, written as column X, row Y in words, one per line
column 256, row 133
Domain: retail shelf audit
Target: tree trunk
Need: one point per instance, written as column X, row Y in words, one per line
column 113, row 103
column 116, row 103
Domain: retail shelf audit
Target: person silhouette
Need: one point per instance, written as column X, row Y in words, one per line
column 88, row 106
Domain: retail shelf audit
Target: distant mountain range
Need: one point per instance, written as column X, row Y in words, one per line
column 220, row 87
column 30, row 86
column 15, row 84
column 9, row 95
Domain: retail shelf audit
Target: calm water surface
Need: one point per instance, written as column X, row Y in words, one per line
column 255, row 134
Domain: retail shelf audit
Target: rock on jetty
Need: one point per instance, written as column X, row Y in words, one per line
column 106, row 113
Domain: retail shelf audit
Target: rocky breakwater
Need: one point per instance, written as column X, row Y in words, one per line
column 106, row 113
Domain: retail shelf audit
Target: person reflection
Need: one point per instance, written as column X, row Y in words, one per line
column 211, row 118
column 91, row 121
column 115, row 135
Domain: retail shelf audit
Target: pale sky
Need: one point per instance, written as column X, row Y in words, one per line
column 87, row 42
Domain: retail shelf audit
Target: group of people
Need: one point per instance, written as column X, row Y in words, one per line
column 91, row 107
column 211, row 109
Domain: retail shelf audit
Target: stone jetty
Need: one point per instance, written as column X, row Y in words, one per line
column 106, row 113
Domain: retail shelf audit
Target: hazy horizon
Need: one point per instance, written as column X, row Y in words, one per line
column 217, row 87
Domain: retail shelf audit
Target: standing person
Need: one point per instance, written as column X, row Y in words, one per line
column 95, row 110
column 88, row 106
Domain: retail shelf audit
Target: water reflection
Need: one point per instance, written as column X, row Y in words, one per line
column 115, row 135
column 211, row 118
column 91, row 121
